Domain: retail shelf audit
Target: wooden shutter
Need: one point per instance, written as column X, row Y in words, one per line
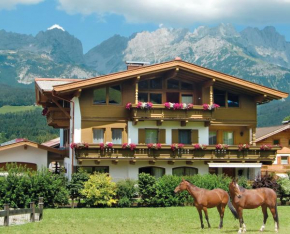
column 141, row 136
column 162, row 136
column 278, row 160
column 175, row 137
column 194, row 136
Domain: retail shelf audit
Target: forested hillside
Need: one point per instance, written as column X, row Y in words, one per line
column 27, row 124
column 16, row 96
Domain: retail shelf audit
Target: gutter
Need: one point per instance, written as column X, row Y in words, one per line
column 73, row 125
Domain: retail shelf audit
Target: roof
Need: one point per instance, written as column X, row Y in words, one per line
column 265, row 132
column 46, row 84
column 52, row 143
column 26, row 142
column 166, row 66
column 16, row 140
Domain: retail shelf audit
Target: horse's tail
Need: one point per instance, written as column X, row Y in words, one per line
column 277, row 218
column 232, row 208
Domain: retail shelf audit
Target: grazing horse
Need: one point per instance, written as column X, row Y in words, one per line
column 204, row 198
column 253, row 198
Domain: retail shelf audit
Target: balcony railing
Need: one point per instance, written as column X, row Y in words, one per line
column 141, row 152
column 160, row 112
column 56, row 117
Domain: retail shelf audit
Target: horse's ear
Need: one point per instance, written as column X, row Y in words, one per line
column 183, row 179
column 237, row 179
column 233, row 180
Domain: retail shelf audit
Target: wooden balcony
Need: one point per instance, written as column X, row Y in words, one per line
column 57, row 118
column 159, row 112
column 210, row 154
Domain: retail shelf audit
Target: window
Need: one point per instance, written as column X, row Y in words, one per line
column 172, row 84
column 184, row 171
column 115, row 95
column 276, row 142
column 143, row 97
column 156, row 83
column 186, row 86
column 212, row 137
column 186, row 98
column 143, row 84
column 91, row 170
column 151, row 136
column 117, row 136
column 184, row 136
column 100, row 96
column 233, row 100
column 157, row 172
column 220, row 97
column 228, row 138
column 98, row 135
column 156, row 98
column 284, row 160
column 110, row 95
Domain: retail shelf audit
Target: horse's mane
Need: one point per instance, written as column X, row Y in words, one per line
column 242, row 189
column 190, row 183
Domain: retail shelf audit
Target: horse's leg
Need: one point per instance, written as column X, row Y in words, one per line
column 206, row 216
column 242, row 224
column 221, row 210
column 265, row 213
column 275, row 217
column 200, row 217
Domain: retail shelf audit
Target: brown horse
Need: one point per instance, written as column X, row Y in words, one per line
column 204, row 198
column 252, row 198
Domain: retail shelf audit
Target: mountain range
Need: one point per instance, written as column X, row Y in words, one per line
column 261, row 56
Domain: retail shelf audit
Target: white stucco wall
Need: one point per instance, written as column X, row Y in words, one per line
column 29, row 155
column 125, row 170
column 203, row 132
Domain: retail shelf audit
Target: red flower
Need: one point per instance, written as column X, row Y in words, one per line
column 128, row 106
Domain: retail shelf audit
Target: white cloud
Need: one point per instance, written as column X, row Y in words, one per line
column 185, row 12
column 10, row 4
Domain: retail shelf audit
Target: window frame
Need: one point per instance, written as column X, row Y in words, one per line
column 107, row 88
column 283, row 158
column 93, row 167
column 227, row 99
column 276, row 140
column 184, row 167
column 151, row 167
column 122, row 135
column 157, row 129
column 190, row 132
column 233, row 137
column 215, row 137
column 104, row 135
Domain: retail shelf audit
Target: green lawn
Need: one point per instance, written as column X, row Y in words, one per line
column 144, row 220
column 12, row 109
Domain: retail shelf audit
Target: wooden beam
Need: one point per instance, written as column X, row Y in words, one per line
column 171, row 162
column 159, row 122
column 171, row 74
column 189, row 162
column 115, row 161
column 152, row 162
column 259, row 98
column 78, row 93
column 208, row 83
column 25, row 146
column 183, row 123
column 61, row 108
column 97, row 162
column 132, row 162
column 135, row 121
column 206, row 123
column 80, row 161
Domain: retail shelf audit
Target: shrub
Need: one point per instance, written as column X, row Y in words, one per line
column 147, row 188
column 284, row 189
column 76, row 185
column 99, row 190
column 126, row 191
column 266, row 181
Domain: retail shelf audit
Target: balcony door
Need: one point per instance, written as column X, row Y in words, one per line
column 172, row 97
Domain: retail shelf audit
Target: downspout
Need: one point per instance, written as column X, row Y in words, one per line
column 73, row 125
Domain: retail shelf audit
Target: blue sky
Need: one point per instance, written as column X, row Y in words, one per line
column 93, row 21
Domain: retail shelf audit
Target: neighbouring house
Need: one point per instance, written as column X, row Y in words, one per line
column 169, row 118
column 29, row 154
column 276, row 135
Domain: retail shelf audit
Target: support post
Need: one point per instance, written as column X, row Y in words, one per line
column 211, row 95
column 40, row 206
column 6, row 217
column 32, row 214
column 136, row 89
column 254, row 137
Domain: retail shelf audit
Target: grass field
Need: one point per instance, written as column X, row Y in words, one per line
column 144, row 220
column 12, row 109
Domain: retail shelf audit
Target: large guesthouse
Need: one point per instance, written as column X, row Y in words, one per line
column 173, row 118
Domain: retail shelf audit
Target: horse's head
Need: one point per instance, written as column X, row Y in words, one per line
column 182, row 186
column 235, row 189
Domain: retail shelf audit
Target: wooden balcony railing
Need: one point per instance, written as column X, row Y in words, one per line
column 57, row 118
column 159, row 112
column 141, row 152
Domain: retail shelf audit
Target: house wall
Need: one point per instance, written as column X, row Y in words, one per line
column 124, row 170
column 29, row 155
column 241, row 134
column 168, row 126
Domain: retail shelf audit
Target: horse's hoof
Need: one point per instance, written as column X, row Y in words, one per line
column 276, row 230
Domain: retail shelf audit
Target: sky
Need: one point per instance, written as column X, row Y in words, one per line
column 93, row 21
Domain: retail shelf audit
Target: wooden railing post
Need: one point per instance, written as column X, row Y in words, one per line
column 40, row 206
column 32, row 214
column 6, row 217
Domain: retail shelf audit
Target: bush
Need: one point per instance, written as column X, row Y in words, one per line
column 147, row 188
column 76, row 185
column 266, row 181
column 284, row 189
column 126, row 191
column 99, row 190
column 22, row 186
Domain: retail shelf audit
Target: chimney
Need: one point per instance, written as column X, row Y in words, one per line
column 131, row 65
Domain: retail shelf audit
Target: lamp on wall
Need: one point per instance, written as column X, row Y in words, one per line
column 241, row 133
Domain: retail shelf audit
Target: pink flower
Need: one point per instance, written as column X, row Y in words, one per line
column 180, row 146
column 243, row 147
column 102, row 146
column 128, row 106
column 150, row 145
column 177, row 106
column 266, row 147
column 189, row 106
column 167, row 105
column 132, row 146
column 73, row 145
column 221, row 146
column 125, row 146
column 110, row 145
column 205, row 106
